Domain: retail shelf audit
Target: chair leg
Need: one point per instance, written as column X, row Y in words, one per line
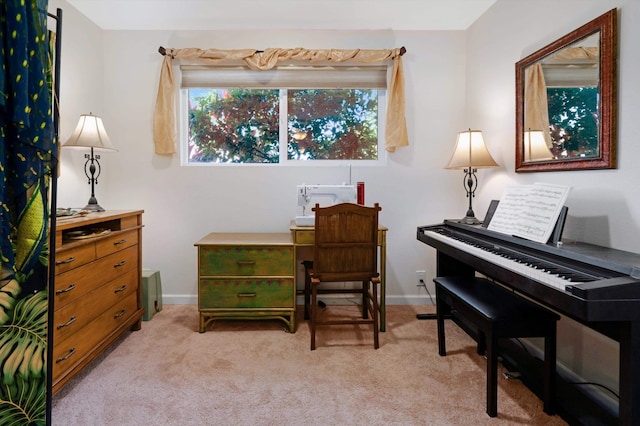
column 313, row 313
column 365, row 299
column 482, row 343
column 375, row 313
column 370, row 307
column 307, row 289
column 440, row 312
column 550, row 370
column 492, row 374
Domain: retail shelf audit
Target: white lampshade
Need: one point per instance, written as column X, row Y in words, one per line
column 90, row 133
column 471, row 152
column 535, row 147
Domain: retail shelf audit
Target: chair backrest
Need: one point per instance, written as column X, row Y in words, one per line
column 346, row 239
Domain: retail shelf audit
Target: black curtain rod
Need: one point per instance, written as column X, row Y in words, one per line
column 163, row 51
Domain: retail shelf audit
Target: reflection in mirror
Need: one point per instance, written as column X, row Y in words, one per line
column 565, row 101
column 561, row 95
column 536, row 147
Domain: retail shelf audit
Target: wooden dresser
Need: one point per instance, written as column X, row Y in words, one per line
column 246, row 276
column 97, row 287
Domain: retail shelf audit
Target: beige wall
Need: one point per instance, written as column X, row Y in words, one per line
column 184, row 203
column 603, row 204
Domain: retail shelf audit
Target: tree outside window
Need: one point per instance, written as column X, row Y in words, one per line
column 573, row 118
column 243, row 125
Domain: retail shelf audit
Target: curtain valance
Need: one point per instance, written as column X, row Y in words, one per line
column 164, row 121
column 575, row 54
column 348, row 76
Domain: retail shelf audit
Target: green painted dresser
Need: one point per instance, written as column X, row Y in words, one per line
column 246, row 276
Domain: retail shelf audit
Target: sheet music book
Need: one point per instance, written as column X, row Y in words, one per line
column 529, row 211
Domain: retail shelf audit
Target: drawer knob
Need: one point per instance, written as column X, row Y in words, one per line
column 117, row 265
column 117, row 243
column 119, row 314
column 66, row 290
column 62, row 262
column 246, row 262
column 67, row 324
column 120, row 290
column 246, row 295
column 67, row 356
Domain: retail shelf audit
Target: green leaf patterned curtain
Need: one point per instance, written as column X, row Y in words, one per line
column 27, row 148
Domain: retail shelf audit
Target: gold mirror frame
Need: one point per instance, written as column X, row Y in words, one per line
column 606, row 25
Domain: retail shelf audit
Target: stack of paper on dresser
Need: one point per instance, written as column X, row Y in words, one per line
column 529, row 211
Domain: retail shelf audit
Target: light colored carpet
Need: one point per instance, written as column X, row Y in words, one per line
column 255, row 373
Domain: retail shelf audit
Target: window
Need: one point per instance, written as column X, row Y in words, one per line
column 233, row 126
column 244, row 124
column 338, row 124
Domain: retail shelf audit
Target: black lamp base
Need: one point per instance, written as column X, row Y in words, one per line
column 90, row 172
column 470, row 183
column 93, row 208
column 469, row 220
column 470, row 217
column 93, row 205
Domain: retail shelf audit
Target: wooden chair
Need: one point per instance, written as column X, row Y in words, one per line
column 345, row 250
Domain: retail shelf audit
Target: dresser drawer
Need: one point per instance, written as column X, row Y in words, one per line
column 71, row 351
column 245, row 293
column 116, row 243
column 245, row 260
column 79, row 281
column 68, row 259
column 308, row 237
column 75, row 315
column 304, row 237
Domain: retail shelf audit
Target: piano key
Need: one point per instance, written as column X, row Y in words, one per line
column 536, row 269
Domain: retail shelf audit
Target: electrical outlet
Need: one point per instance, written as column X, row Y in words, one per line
column 421, row 278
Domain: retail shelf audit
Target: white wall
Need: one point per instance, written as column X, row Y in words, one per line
column 603, row 204
column 182, row 204
column 81, row 89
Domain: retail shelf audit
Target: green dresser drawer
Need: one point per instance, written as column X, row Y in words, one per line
column 245, row 260
column 245, row 293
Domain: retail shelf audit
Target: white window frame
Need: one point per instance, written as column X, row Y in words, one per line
column 183, row 127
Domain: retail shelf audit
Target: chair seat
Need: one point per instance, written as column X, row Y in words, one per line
column 494, row 302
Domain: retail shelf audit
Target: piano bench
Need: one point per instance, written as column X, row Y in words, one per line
column 497, row 313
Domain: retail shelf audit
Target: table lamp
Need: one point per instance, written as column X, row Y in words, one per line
column 470, row 155
column 535, row 147
column 90, row 133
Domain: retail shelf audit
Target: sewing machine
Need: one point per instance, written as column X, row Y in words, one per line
column 335, row 194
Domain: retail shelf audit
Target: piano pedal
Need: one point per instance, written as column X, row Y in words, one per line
column 484, row 355
column 511, row 375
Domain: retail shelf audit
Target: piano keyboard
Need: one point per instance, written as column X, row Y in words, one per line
column 543, row 271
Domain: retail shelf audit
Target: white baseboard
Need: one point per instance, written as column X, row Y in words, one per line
column 179, row 299
column 192, row 299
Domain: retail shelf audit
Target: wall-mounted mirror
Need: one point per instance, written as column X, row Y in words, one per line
column 566, row 101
